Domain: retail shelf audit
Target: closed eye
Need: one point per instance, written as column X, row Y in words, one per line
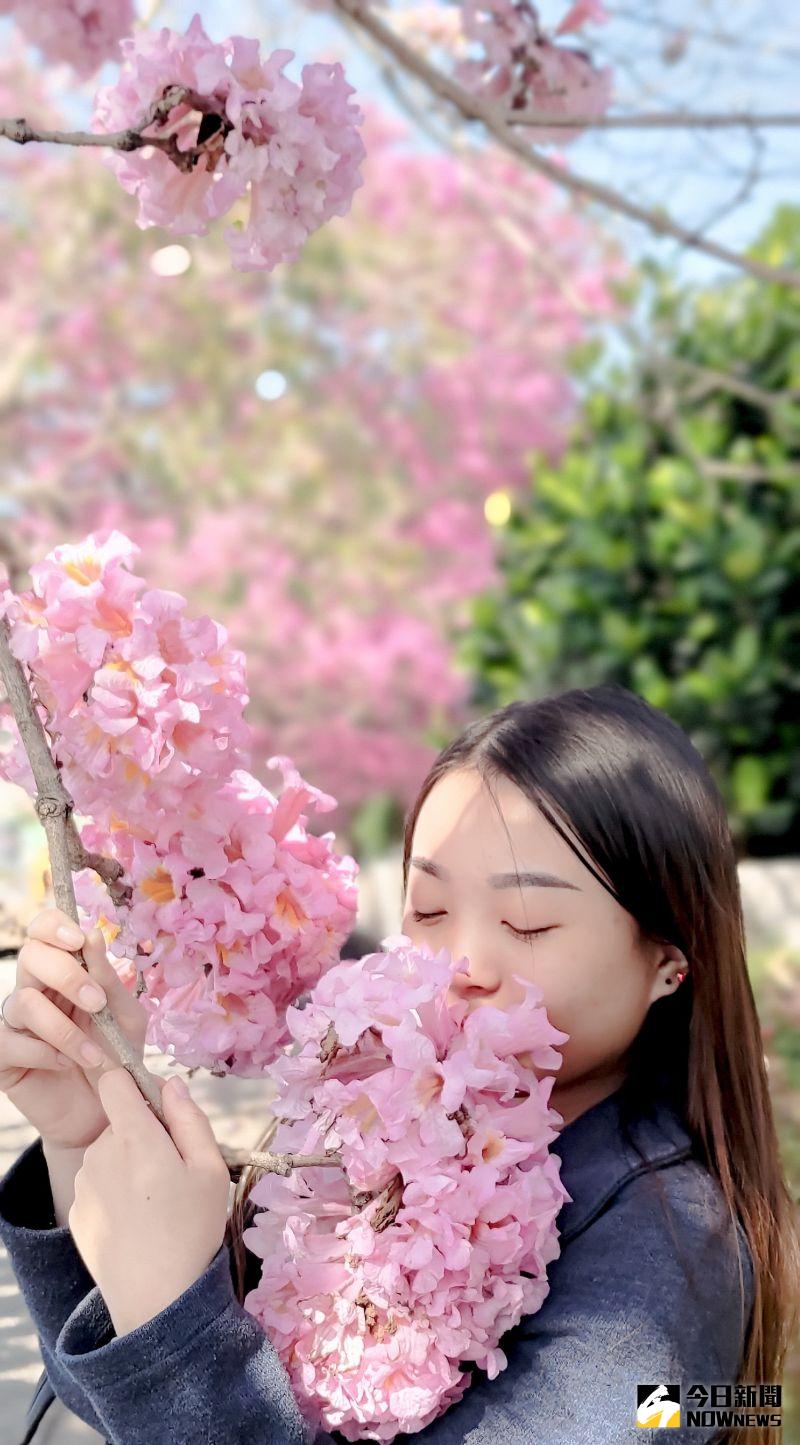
column 519, row 932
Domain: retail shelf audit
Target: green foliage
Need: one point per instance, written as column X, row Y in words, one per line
column 376, row 825
column 662, row 551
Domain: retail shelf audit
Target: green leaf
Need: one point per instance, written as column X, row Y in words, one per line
column 750, row 778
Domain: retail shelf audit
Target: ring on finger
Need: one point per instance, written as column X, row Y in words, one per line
column 14, row 1027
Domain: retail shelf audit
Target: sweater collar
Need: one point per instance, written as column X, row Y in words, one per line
column 596, row 1159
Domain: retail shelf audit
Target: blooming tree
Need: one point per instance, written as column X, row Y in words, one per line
column 525, row 85
column 80, row 33
column 352, row 509
column 195, row 125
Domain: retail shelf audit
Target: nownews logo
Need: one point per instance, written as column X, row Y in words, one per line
column 658, row 1407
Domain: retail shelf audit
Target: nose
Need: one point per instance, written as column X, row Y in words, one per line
column 481, row 980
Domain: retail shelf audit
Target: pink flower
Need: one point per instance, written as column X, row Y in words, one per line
column 293, row 150
column 235, row 908
column 375, row 1325
column 583, row 12
column 527, row 71
column 83, row 33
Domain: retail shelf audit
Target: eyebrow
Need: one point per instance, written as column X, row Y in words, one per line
column 501, row 880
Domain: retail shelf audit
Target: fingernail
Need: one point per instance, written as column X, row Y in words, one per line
column 91, row 995
column 71, row 936
column 178, row 1086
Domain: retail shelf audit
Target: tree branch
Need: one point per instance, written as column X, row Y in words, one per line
column 239, row 1159
column 472, row 107
column 54, row 807
column 659, row 120
column 736, row 385
column 133, row 139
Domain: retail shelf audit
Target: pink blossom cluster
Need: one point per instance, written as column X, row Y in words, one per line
column 234, row 908
column 438, row 1115
column 144, row 701
column 294, row 150
column 528, row 70
column 82, row 33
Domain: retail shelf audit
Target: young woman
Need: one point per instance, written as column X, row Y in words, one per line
column 578, row 840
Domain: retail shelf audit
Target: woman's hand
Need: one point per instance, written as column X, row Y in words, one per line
column 150, row 1206
column 42, row 1069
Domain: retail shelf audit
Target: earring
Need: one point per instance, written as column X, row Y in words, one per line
column 681, row 976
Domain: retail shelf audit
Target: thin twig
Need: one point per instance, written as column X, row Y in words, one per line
column 530, row 241
column 658, row 120
column 109, row 869
column 473, row 108
column 54, row 808
column 271, row 1163
column 20, row 131
column 737, row 385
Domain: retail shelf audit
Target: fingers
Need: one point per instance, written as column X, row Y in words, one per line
column 41, row 963
column 54, row 926
column 46, row 962
column 190, row 1127
column 20, row 1051
column 124, row 1004
column 126, row 1108
column 28, row 1008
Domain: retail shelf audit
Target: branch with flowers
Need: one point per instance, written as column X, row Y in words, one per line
column 55, row 810
column 222, row 124
column 58, row 682
column 411, row 1183
column 375, row 1300
column 525, row 79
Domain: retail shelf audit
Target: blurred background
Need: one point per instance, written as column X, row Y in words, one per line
column 487, row 437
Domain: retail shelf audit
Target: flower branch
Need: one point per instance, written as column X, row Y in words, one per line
column 211, row 134
column 473, row 108
column 54, row 808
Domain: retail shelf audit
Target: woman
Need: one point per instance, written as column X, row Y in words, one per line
column 679, row 1257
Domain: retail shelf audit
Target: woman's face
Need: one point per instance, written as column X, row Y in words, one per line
column 597, row 976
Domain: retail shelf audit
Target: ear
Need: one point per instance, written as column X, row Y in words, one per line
column 670, row 970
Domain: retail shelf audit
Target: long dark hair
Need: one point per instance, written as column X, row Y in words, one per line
column 631, row 787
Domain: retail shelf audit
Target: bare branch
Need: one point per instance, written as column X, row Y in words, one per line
column 473, row 108
column 270, row 1163
column 659, row 120
column 736, row 385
